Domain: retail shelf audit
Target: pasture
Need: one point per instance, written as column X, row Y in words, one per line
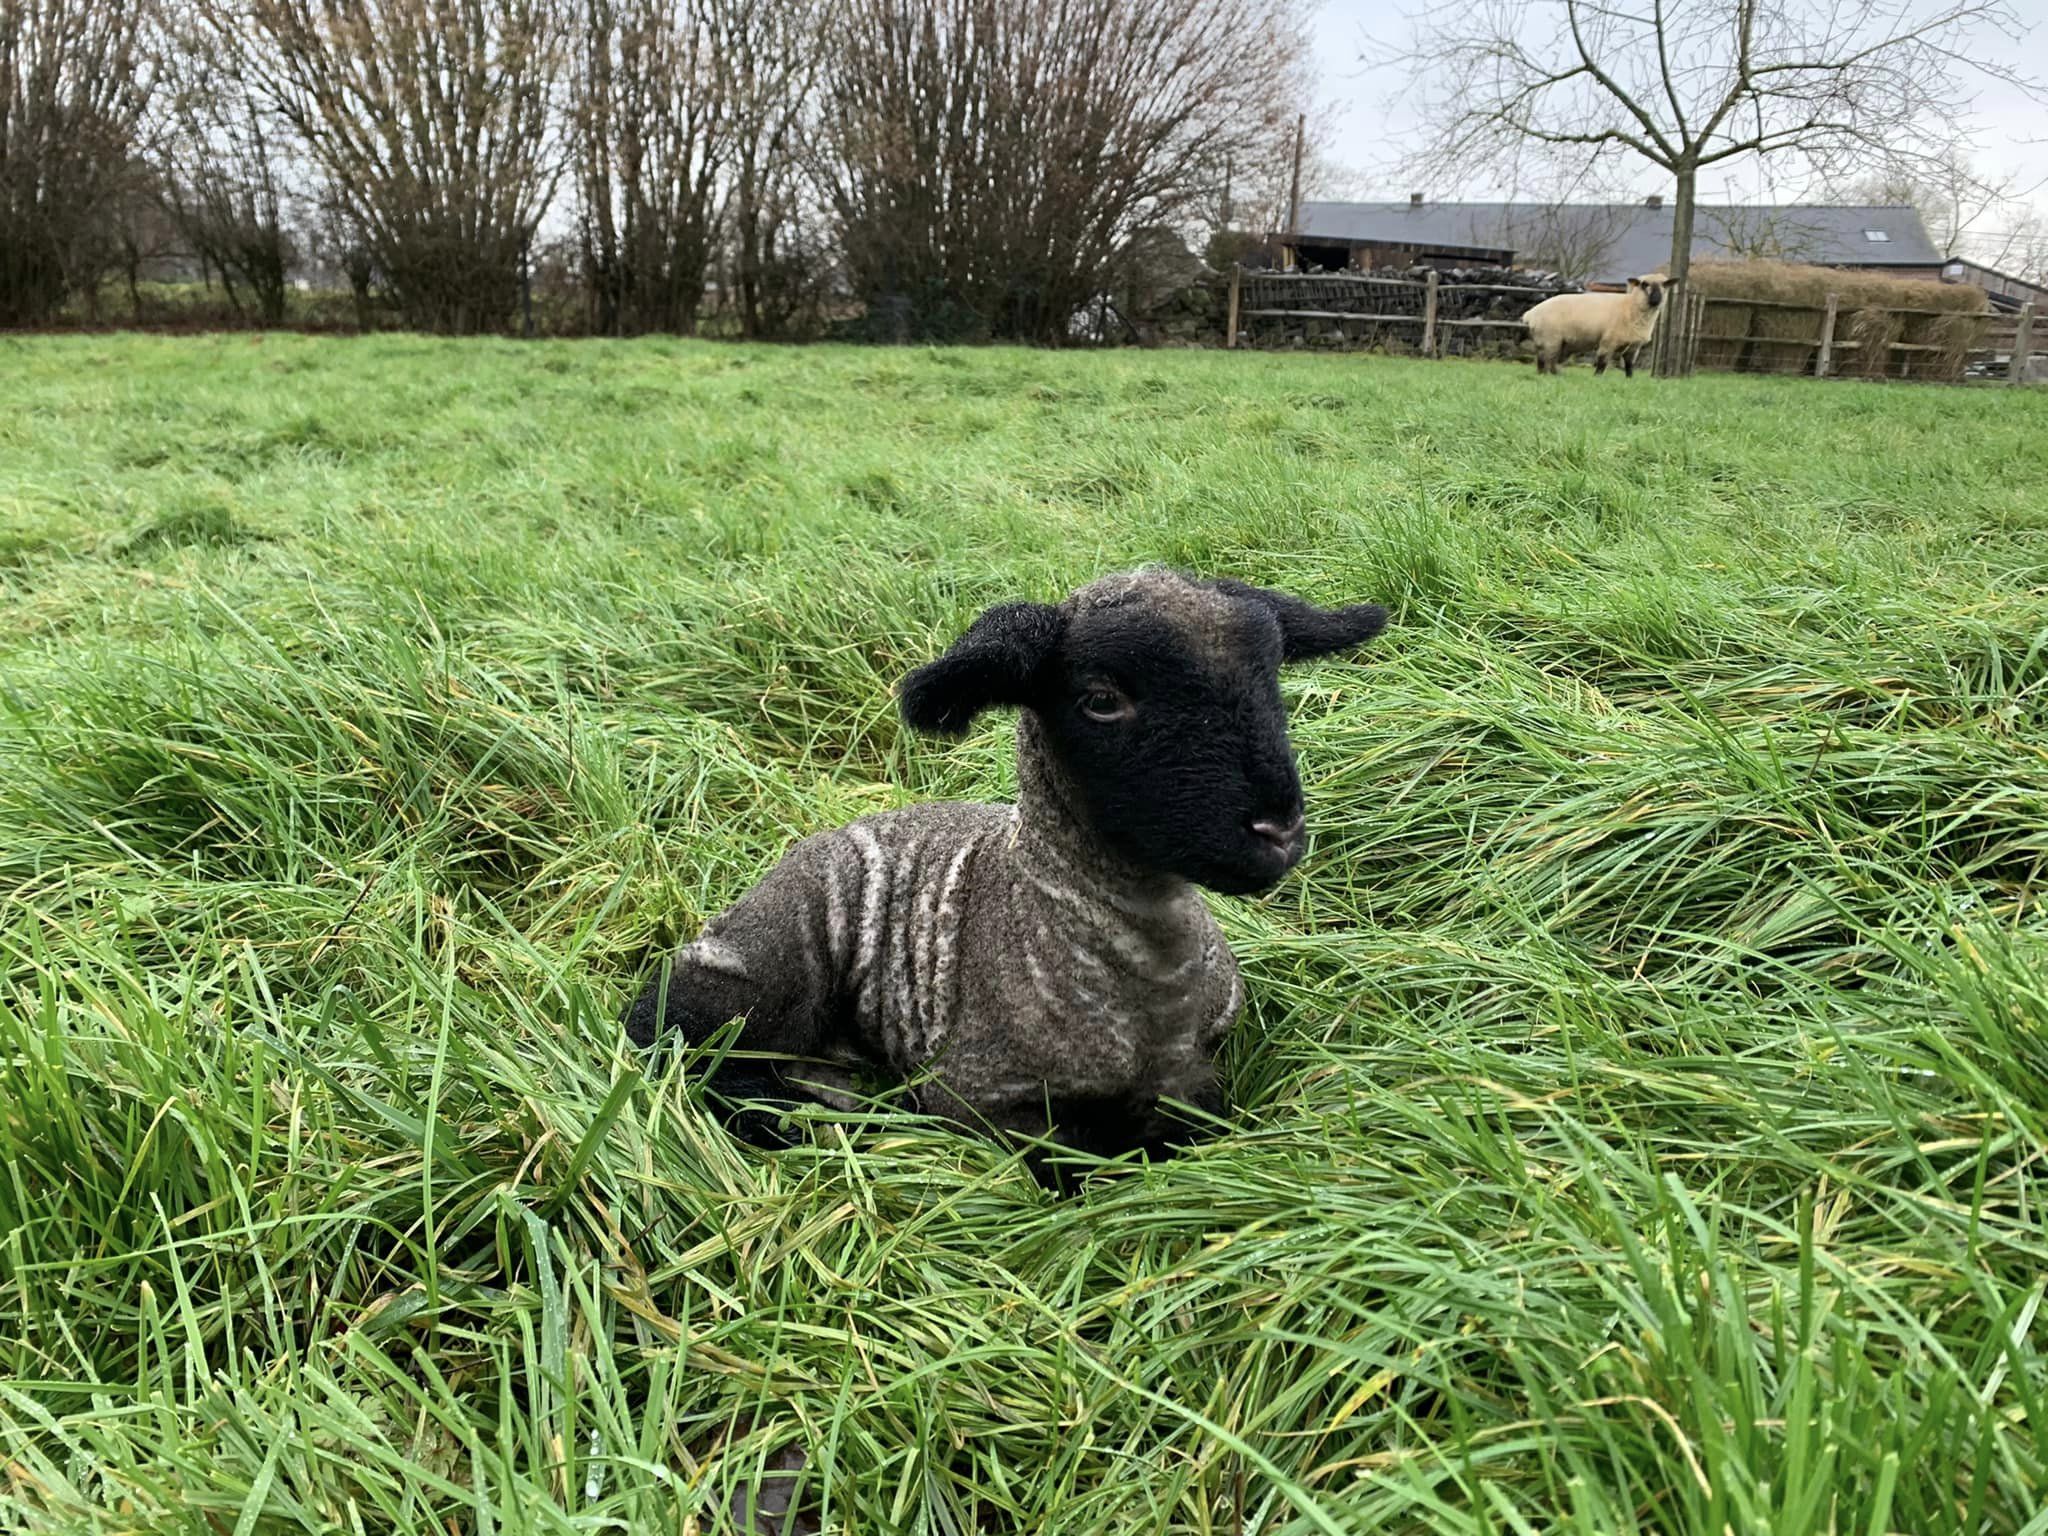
column 1641, row 1106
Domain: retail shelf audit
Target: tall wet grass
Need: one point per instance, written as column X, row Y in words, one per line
column 1639, row 1114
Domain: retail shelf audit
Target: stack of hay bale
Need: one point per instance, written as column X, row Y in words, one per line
column 1885, row 327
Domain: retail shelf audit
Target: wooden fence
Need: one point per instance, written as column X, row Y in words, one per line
column 2014, row 350
column 1711, row 332
column 1428, row 316
column 1724, row 334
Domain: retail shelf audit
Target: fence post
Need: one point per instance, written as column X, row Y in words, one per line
column 2022, row 344
column 1236, row 278
column 1827, row 338
column 1429, row 315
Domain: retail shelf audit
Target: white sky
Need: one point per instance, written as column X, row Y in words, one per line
column 1370, row 125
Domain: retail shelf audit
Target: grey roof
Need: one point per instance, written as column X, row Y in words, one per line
column 1615, row 241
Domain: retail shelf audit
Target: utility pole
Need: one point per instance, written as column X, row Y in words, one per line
column 1294, row 189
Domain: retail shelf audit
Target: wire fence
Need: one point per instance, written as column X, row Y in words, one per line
column 1446, row 314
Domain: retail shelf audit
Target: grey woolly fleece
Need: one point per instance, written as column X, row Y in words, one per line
column 1000, row 947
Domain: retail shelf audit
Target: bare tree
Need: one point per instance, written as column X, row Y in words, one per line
column 433, row 123
column 986, row 158
column 769, row 53
column 75, row 86
column 1686, row 84
column 1260, row 175
column 1962, row 205
column 140, row 228
column 225, row 173
column 2021, row 248
column 1767, row 233
column 647, row 105
column 1573, row 239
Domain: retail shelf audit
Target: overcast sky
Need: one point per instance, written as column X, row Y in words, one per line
column 1369, row 125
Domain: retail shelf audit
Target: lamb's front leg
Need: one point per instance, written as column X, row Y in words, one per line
column 1109, row 1125
column 765, row 962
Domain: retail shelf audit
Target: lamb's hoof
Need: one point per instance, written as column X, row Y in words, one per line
column 769, row 1507
column 758, row 1126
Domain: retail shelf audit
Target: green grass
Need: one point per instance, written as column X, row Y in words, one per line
column 1642, row 1104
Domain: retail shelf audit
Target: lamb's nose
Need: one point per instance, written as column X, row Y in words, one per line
column 1281, row 834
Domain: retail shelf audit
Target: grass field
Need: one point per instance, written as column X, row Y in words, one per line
column 1642, row 1103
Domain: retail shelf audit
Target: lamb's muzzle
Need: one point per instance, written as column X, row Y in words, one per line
column 1047, row 967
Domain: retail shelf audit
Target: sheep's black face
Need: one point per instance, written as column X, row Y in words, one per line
column 1160, row 697
column 1172, row 732
column 1653, row 292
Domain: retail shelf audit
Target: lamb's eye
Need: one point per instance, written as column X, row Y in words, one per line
column 1104, row 705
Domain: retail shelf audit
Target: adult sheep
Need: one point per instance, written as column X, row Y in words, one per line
column 1046, row 969
column 1605, row 324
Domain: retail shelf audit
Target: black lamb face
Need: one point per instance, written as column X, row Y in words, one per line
column 1164, row 707
column 1160, row 697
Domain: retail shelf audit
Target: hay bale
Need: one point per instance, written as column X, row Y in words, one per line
column 1956, row 335
column 1790, row 340
column 1872, row 332
column 1721, row 330
column 1785, row 282
column 1866, row 323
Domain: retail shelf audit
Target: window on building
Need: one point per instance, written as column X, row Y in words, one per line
column 1877, row 236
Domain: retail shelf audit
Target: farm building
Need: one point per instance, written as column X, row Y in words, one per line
column 2006, row 292
column 1603, row 244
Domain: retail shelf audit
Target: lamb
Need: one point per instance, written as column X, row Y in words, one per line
column 1045, row 970
column 1605, row 324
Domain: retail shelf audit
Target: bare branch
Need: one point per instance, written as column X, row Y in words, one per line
column 76, row 81
column 986, row 159
column 433, row 123
column 648, row 105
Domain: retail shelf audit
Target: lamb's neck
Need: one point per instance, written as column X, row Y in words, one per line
column 1069, row 862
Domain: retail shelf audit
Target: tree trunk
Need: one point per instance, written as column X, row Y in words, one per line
column 270, row 293
column 358, row 270
column 1677, row 290
column 750, row 244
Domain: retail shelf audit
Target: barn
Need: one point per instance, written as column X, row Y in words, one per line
column 1602, row 244
column 2007, row 294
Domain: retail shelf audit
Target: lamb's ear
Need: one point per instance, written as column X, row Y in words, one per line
column 994, row 663
column 1305, row 629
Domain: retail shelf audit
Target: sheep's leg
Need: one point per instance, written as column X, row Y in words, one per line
column 1102, row 1125
column 759, row 964
column 1110, row 1124
column 1600, row 362
column 693, row 1003
column 1628, row 362
column 1173, row 1129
